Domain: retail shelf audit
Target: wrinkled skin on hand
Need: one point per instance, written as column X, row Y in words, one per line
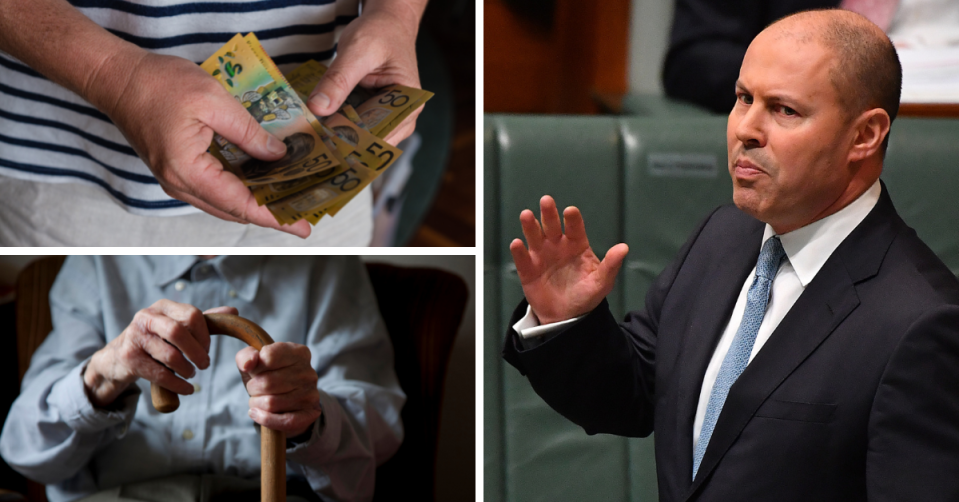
column 282, row 386
column 163, row 344
column 168, row 110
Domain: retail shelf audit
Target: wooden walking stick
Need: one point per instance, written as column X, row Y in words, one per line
column 272, row 443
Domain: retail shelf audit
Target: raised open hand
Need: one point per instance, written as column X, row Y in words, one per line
column 562, row 278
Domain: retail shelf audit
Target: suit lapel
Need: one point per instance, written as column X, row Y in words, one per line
column 826, row 302
column 814, row 316
column 704, row 330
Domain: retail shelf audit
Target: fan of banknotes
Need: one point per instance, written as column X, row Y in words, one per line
column 328, row 160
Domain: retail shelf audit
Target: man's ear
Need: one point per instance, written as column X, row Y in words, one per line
column 871, row 128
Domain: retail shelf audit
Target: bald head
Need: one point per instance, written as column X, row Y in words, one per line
column 866, row 72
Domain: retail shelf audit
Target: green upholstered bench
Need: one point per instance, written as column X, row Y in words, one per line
column 646, row 181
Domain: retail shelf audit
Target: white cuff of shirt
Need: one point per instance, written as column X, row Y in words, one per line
column 529, row 326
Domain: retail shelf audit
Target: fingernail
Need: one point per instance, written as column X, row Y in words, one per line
column 275, row 146
column 320, row 100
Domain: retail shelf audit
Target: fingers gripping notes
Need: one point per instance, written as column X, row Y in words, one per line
column 561, row 276
column 325, row 164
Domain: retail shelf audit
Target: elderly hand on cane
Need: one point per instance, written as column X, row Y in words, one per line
column 167, row 341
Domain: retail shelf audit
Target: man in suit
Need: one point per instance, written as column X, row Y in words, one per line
column 804, row 345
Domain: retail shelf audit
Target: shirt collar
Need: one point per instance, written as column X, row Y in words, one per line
column 170, row 268
column 241, row 272
column 810, row 246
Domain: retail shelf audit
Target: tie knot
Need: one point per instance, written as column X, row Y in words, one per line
column 770, row 257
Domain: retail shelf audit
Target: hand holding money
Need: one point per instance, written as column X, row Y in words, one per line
column 326, row 164
column 168, row 111
column 376, row 50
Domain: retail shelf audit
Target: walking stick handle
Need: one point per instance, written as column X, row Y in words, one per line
column 272, row 443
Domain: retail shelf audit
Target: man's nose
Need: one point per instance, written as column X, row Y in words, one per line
column 751, row 130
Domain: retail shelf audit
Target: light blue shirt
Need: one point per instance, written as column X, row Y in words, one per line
column 56, row 436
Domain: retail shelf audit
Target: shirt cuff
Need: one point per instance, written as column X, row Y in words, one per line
column 325, row 438
column 529, row 326
column 81, row 415
column 304, row 440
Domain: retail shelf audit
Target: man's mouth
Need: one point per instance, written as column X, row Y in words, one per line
column 743, row 168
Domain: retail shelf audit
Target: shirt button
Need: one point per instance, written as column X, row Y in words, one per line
column 196, row 387
column 232, row 293
column 187, row 434
column 180, row 285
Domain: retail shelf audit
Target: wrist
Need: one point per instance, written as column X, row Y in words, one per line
column 105, row 84
column 407, row 14
column 100, row 388
column 545, row 319
column 293, row 440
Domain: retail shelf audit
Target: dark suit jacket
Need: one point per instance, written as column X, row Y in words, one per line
column 853, row 397
column 708, row 42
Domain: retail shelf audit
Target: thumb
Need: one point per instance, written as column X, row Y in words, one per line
column 222, row 310
column 246, row 361
column 612, row 262
column 237, row 126
column 343, row 75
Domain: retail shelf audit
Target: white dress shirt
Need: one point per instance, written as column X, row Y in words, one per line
column 807, row 249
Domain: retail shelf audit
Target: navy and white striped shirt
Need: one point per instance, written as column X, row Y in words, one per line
column 50, row 134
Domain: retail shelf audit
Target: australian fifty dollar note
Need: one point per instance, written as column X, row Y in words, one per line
column 246, row 72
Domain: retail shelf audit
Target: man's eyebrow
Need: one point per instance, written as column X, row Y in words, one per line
column 783, row 99
column 770, row 98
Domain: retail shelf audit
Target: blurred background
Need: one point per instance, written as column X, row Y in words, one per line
column 641, row 57
column 431, row 201
column 560, row 56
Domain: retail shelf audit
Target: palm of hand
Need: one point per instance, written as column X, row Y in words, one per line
column 566, row 278
column 562, row 278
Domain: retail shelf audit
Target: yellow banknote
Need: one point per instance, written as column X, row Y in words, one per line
column 311, row 203
column 350, row 113
column 373, row 152
column 386, row 109
column 305, row 77
column 252, row 78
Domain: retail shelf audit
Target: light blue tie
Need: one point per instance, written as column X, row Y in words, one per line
column 738, row 356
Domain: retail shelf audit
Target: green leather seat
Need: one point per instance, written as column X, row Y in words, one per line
column 646, row 105
column 647, row 181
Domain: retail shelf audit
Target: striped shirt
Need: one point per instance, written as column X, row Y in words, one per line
column 50, row 134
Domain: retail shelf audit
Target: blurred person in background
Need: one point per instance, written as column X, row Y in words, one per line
column 709, row 39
